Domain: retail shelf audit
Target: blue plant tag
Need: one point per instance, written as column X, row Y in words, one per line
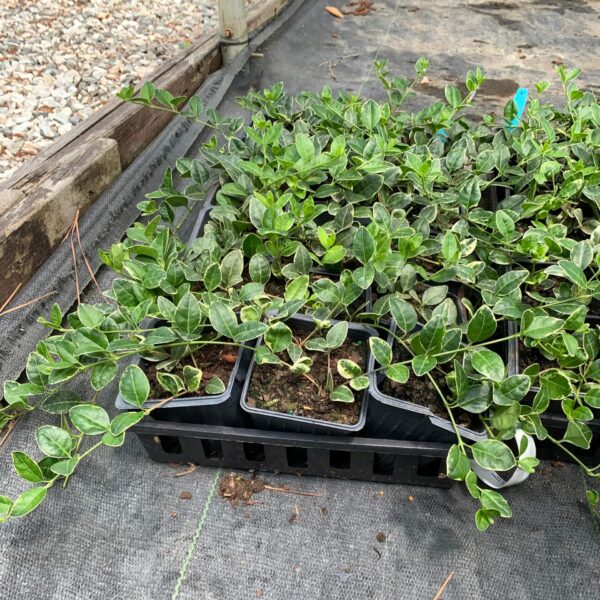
column 520, row 100
column 441, row 133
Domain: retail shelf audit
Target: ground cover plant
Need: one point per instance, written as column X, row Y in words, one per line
column 471, row 245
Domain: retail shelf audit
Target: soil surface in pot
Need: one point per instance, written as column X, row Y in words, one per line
column 214, row 360
column 275, row 388
column 528, row 356
column 275, row 287
column 420, row 391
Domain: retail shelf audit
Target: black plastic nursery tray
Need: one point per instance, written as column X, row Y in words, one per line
column 385, row 461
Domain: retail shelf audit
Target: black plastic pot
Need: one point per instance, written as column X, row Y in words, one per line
column 554, row 419
column 275, row 421
column 492, row 195
column 201, row 220
column 219, row 409
column 397, row 419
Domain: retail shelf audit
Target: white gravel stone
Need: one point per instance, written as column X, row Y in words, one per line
column 60, row 60
column 63, row 116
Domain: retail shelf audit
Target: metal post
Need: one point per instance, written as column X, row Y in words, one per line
column 233, row 26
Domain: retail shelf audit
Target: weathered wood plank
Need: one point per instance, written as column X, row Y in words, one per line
column 33, row 228
column 8, row 198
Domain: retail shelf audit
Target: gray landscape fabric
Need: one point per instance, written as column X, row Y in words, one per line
column 126, row 528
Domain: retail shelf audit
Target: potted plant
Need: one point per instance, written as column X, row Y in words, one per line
column 297, row 378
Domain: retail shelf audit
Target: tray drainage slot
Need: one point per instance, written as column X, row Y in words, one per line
column 339, row 459
column 254, row 452
column 297, row 457
column 429, row 466
column 213, row 449
column 383, row 464
column 169, row 443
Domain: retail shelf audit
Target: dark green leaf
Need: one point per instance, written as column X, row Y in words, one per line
column 114, row 441
column 296, row 289
column 513, row 388
column 212, row 277
column 305, row 147
column 102, row 374
column 488, row 363
column 578, row 434
column 381, row 350
column 432, row 335
column 250, row 330
column 484, row 518
column 403, row 314
column 337, row 334
column 423, row 364
column 89, row 315
column 90, row 419
column 453, row 96
column 542, row 327
column 482, row 326
column 278, row 337
column 370, row 114
column 61, row 402
column 509, row 282
column 28, row 501
column 493, row 455
column 458, row 465
column 232, row 266
column 259, row 269
column 54, row 441
column 134, row 386
column 26, row 467
column 491, row 500
column 592, row 397
column 187, row 315
column 363, row 245
column 434, row 295
column 573, row 273
column 223, row 320
column 64, row 467
column 124, row 421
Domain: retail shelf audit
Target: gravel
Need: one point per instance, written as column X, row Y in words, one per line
column 60, row 60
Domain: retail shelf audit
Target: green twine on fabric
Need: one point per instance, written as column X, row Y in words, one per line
column 196, row 537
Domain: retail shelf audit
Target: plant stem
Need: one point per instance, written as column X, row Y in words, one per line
column 442, row 396
column 588, row 470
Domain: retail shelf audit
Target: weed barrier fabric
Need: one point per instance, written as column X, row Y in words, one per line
column 121, row 529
